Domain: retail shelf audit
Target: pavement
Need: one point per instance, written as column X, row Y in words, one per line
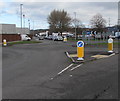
column 43, row 71
column 89, row 56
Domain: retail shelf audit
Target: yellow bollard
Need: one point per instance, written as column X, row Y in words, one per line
column 4, row 42
column 65, row 39
column 110, row 45
column 80, row 50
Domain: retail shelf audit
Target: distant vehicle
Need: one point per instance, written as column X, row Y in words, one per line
column 117, row 35
column 70, row 35
column 25, row 37
column 40, row 37
column 55, row 34
column 111, row 36
column 86, row 36
column 57, row 38
column 98, row 36
column 50, row 37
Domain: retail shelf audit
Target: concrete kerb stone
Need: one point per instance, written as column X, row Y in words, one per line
column 89, row 57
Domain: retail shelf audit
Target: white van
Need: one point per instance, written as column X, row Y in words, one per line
column 25, row 37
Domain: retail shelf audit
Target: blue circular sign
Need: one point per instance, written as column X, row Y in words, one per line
column 80, row 44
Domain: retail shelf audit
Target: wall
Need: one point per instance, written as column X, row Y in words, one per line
column 22, row 31
column 10, row 37
column 7, row 29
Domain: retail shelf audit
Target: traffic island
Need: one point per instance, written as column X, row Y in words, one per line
column 89, row 56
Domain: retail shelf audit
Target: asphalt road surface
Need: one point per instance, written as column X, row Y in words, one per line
column 31, row 72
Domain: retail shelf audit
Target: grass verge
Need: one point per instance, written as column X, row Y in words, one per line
column 23, row 42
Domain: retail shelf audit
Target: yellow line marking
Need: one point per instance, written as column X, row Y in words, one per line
column 100, row 56
column 73, row 55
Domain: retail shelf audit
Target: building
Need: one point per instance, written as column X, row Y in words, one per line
column 22, row 31
column 7, row 29
column 12, row 33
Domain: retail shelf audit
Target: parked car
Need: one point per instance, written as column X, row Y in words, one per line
column 50, row 37
column 40, row 37
column 57, row 38
column 117, row 35
column 98, row 36
column 111, row 36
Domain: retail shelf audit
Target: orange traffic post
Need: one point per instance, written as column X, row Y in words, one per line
column 80, row 50
column 110, row 45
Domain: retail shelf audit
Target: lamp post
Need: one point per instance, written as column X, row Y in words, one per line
column 33, row 27
column 29, row 25
column 75, row 26
column 118, row 15
column 21, row 14
column 24, row 22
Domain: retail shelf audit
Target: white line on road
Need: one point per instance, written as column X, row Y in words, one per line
column 112, row 54
column 65, row 69
column 70, row 57
column 68, row 54
column 76, row 67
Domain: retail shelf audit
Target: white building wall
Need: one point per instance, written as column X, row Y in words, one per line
column 12, row 29
column 7, row 28
column 22, row 31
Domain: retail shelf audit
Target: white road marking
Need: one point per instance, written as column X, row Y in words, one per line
column 68, row 54
column 70, row 75
column 112, row 54
column 51, row 78
column 65, row 69
column 76, row 67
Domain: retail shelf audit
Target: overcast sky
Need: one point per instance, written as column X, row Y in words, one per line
column 39, row 11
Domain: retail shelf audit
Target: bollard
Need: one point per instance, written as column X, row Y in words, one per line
column 80, row 50
column 65, row 39
column 110, row 45
column 4, row 42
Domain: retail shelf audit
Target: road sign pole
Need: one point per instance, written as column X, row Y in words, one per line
column 110, row 45
column 80, row 50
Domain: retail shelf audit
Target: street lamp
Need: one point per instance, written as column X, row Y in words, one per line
column 21, row 14
column 29, row 25
column 75, row 26
column 118, row 23
column 24, row 21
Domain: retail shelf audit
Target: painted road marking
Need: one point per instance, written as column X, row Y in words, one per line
column 100, row 56
column 112, row 54
column 76, row 67
column 73, row 55
column 65, row 69
column 69, row 56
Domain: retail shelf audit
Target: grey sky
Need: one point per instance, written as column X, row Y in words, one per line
column 38, row 11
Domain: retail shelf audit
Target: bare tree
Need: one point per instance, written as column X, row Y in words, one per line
column 59, row 21
column 77, row 25
column 98, row 22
